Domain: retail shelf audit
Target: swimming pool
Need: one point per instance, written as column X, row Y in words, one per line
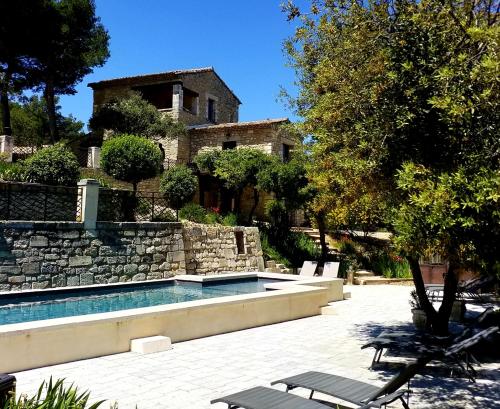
column 46, row 305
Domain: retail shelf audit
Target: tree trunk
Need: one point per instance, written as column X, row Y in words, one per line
column 440, row 327
column 320, row 220
column 254, row 206
column 4, row 101
column 437, row 320
column 51, row 110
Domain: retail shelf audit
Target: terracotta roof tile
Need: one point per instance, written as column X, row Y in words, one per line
column 250, row 124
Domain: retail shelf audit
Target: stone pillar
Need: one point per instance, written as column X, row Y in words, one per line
column 6, row 147
column 94, row 157
column 177, row 100
column 89, row 201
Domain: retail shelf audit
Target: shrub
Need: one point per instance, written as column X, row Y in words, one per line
column 53, row 395
column 194, row 213
column 178, row 184
column 230, row 219
column 12, row 172
column 391, row 266
column 54, row 165
column 290, row 250
column 130, row 158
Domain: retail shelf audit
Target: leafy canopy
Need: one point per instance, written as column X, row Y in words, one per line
column 54, row 165
column 130, row 158
column 452, row 214
column 132, row 114
column 178, row 184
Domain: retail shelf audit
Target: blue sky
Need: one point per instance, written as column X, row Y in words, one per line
column 241, row 40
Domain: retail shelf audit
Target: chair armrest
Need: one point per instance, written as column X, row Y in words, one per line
column 385, row 399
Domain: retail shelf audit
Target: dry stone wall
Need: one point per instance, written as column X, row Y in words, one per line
column 214, row 249
column 37, row 255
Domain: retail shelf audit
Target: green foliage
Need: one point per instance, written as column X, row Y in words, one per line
column 287, row 180
column 178, row 184
column 230, row 219
column 377, row 91
column 12, row 172
column 207, row 159
column 290, row 250
column 391, row 266
column 452, row 214
column 30, row 122
column 238, row 168
column 54, row 395
column 132, row 114
column 54, row 165
column 130, row 158
column 194, row 213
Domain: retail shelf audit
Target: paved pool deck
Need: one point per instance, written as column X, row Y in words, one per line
column 194, row 372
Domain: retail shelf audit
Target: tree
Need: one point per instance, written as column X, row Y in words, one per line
column 22, row 24
column 75, row 42
column 30, row 122
column 238, row 169
column 130, row 158
column 288, row 181
column 386, row 83
column 454, row 214
column 54, row 165
column 131, row 114
column 178, row 184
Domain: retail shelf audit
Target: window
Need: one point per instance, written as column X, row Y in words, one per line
column 240, row 241
column 285, row 152
column 211, row 110
column 228, row 145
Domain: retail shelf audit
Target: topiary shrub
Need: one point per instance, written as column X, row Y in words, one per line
column 194, row 213
column 54, row 165
column 178, row 184
column 130, row 158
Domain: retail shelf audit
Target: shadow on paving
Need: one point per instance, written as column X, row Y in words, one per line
column 436, row 387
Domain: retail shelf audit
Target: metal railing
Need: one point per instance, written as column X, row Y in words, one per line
column 29, row 201
column 123, row 205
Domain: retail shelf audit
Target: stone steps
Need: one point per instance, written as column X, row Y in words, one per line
column 379, row 280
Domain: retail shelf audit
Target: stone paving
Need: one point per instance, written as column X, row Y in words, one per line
column 194, row 372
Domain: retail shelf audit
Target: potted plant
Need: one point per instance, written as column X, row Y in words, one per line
column 419, row 316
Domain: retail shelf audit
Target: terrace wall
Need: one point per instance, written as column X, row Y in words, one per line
column 36, row 255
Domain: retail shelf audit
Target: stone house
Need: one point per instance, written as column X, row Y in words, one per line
column 201, row 100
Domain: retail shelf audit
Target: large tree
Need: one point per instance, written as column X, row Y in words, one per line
column 75, row 41
column 386, row 83
column 22, row 26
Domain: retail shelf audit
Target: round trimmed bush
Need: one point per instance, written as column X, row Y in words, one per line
column 54, row 165
column 178, row 184
column 130, row 158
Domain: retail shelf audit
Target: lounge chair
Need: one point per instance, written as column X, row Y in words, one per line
column 331, row 269
column 455, row 350
column 472, row 289
column 267, row 398
column 362, row 394
column 309, row 268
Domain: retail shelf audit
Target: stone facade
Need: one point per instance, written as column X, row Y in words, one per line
column 265, row 135
column 199, row 85
column 214, row 249
column 37, row 255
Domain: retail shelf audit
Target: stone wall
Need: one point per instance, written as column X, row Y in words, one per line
column 43, row 254
column 36, row 255
column 213, row 249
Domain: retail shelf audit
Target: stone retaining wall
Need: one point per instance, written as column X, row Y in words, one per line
column 37, row 255
column 213, row 249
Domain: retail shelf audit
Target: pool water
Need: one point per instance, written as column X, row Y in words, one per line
column 92, row 301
